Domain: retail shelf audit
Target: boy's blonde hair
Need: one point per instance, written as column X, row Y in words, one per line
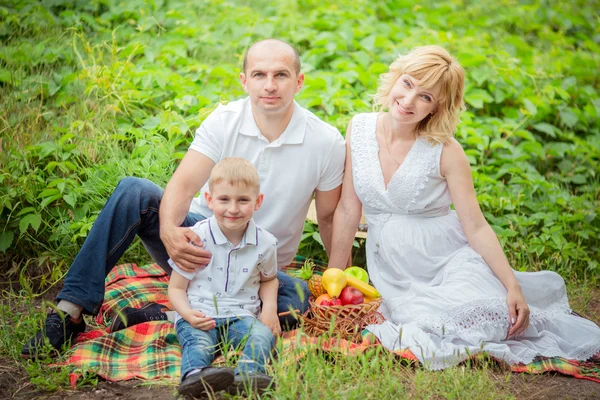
column 234, row 171
column 429, row 65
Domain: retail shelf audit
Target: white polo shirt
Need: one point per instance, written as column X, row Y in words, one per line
column 229, row 284
column 308, row 155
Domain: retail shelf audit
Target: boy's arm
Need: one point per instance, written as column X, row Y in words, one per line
column 179, row 299
column 269, row 288
column 268, row 294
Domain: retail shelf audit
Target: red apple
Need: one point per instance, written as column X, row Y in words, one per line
column 351, row 295
column 336, row 302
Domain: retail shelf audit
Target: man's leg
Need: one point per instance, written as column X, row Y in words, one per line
column 131, row 209
column 293, row 293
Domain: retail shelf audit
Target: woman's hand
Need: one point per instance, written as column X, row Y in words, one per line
column 518, row 311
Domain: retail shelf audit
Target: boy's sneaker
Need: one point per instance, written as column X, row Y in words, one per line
column 60, row 329
column 207, row 381
column 130, row 316
column 255, row 382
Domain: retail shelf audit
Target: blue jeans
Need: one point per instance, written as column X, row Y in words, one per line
column 198, row 347
column 132, row 210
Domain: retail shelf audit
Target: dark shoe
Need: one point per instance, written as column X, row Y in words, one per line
column 60, row 329
column 256, row 382
column 209, row 380
column 130, row 316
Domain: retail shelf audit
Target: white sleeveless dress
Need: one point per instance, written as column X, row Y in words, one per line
column 441, row 300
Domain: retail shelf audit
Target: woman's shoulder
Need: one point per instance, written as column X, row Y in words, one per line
column 453, row 156
column 363, row 116
column 362, row 122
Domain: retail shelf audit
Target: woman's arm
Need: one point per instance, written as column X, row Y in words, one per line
column 457, row 171
column 347, row 215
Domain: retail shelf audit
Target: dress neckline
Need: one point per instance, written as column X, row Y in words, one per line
column 400, row 167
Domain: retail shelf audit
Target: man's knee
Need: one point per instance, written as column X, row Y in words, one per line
column 136, row 189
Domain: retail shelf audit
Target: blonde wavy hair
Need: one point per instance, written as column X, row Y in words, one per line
column 429, row 65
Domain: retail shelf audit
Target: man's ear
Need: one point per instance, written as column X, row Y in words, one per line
column 300, row 82
column 243, row 81
column 209, row 199
column 259, row 201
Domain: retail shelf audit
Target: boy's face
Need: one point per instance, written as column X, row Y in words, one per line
column 233, row 205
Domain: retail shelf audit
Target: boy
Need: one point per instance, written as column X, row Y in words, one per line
column 221, row 302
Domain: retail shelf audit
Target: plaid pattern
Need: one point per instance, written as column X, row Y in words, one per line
column 151, row 350
column 128, row 285
column 144, row 351
column 589, row 370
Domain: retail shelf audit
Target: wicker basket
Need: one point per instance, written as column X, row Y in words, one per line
column 348, row 321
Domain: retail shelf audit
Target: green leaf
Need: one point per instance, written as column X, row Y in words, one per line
column 33, row 220
column 568, row 117
column 481, row 74
column 6, row 239
column 50, row 199
column 70, row 199
column 545, row 128
column 4, row 75
column 530, row 107
column 317, row 237
column 477, row 97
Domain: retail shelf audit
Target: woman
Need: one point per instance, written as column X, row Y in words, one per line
column 448, row 289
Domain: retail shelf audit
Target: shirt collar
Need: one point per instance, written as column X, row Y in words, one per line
column 293, row 133
column 219, row 238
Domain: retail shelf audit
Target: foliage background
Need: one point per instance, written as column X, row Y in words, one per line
column 93, row 91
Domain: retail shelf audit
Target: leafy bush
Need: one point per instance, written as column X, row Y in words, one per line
column 91, row 92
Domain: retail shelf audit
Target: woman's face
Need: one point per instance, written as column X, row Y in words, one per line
column 411, row 103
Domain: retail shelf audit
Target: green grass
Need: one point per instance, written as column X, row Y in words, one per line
column 302, row 374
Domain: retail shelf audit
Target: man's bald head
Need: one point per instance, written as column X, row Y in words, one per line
column 273, row 45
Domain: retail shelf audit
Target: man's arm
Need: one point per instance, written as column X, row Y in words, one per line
column 188, row 179
column 325, row 204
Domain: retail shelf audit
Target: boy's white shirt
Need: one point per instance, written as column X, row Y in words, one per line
column 232, row 278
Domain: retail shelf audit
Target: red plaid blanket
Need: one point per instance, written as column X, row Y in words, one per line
column 151, row 350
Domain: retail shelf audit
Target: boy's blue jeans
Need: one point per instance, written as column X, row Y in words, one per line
column 132, row 210
column 198, row 347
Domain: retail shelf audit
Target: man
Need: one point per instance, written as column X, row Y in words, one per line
column 296, row 155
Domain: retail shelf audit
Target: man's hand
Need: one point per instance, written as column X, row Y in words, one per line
column 271, row 320
column 185, row 248
column 199, row 320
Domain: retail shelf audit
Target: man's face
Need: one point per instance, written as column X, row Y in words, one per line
column 270, row 78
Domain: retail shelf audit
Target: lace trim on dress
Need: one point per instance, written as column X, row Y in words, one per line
column 419, row 164
column 365, row 171
column 491, row 315
column 433, row 160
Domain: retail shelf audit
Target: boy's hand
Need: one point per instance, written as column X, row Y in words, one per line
column 199, row 320
column 271, row 320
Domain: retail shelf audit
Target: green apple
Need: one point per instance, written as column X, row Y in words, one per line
column 358, row 273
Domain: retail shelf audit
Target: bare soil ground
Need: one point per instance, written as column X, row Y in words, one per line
column 15, row 382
